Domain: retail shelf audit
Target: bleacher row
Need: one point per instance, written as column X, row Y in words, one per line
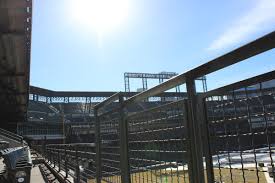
column 73, row 112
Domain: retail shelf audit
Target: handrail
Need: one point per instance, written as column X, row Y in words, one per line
column 249, row 50
column 240, row 84
column 242, row 53
column 11, row 135
column 73, row 144
column 14, row 137
column 155, row 108
column 108, row 100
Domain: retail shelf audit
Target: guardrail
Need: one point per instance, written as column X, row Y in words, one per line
column 12, row 136
column 75, row 160
column 208, row 137
column 49, row 128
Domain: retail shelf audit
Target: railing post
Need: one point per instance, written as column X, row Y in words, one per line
column 206, row 140
column 46, row 154
column 77, row 166
column 44, row 146
column 58, row 159
column 124, row 155
column 53, row 155
column 66, row 161
column 98, row 146
column 22, row 141
column 195, row 165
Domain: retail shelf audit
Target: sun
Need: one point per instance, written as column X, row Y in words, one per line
column 100, row 15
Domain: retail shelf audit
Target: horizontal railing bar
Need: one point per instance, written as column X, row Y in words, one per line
column 171, row 83
column 244, row 83
column 156, row 151
column 235, row 118
column 12, row 135
column 115, row 110
column 156, row 130
column 249, row 50
column 110, row 154
column 154, row 121
column 73, row 144
column 156, row 141
column 156, row 108
column 240, row 134
column 108, row 100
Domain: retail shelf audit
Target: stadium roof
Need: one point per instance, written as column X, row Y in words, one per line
column 15, row 44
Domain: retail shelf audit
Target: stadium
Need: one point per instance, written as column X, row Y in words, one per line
column 177, row 130
column 52, row 113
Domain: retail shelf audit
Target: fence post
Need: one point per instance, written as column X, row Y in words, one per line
column 77, row 166
column 58, row 160
column 66, row 161
column 124, row 156
column 206, row 140
column 195, row 166
column 22, row 141
column 44, row 146
column 50, row 155
column 54, row 157
column 49, row 158
column 98, row 146
column 47, row 154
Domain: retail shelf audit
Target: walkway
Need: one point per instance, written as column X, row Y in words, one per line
column 36, row 176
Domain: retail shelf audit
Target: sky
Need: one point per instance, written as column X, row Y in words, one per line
column 74, row 54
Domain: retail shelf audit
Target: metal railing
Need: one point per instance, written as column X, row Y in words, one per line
column 12, row 136
column 74, row 160
column 223, row 135
column 240, row 124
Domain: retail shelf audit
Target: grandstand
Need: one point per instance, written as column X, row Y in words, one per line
column 59, row 116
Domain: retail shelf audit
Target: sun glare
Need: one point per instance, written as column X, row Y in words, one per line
column 100, row 15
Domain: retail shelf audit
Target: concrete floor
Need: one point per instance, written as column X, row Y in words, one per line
column 36, row 176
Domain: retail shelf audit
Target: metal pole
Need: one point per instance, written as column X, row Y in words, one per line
column 66, row 161
column 77, row 166
column 44, row 147
column 58, row 160
column 63, row 122
column 196, row 161
column 124, row 156
column 53, row 158
column 47, row 154
column 98, row 146
column 206, row 140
